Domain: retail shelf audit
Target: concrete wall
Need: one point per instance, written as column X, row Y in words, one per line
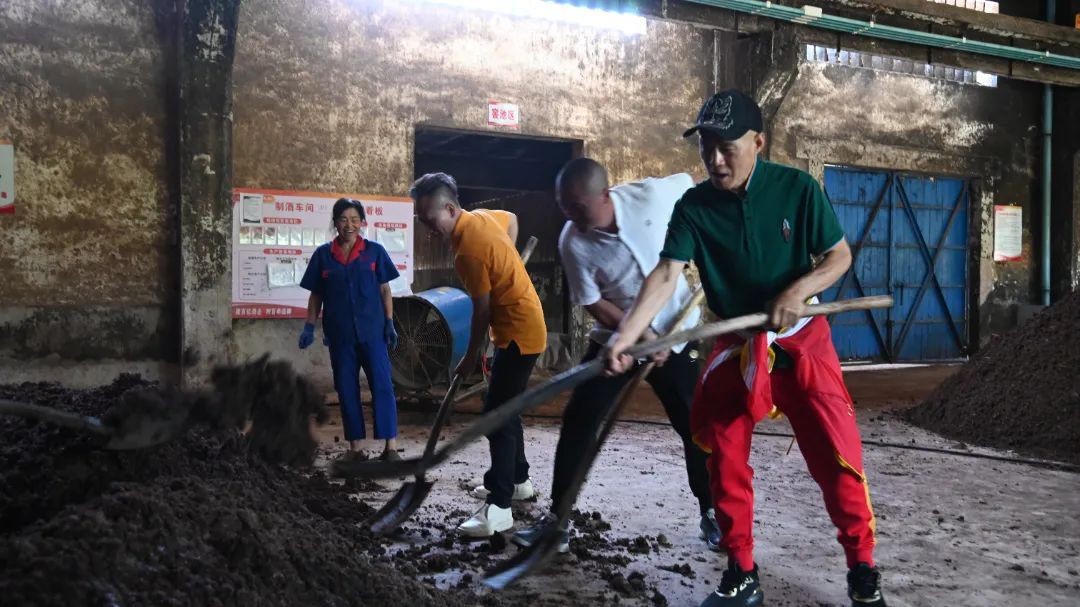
column 327, row 96
column 87, row 264
column 876, row 119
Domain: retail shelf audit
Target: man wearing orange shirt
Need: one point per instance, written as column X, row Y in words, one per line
column 504, row 302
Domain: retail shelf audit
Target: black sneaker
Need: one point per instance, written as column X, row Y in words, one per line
column 710, row 531
column 864, row 586
column 737, row 588
column 528, row 536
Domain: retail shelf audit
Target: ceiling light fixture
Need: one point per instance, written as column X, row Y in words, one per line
column 628, row 23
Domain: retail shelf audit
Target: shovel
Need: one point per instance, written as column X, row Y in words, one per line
column 137, row 428
column 412, row 494
column 544, row 547
column 571, row 378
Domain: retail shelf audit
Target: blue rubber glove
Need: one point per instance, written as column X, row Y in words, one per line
column 307, row 336
column 390, row 334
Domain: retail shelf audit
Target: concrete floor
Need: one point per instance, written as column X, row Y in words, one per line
column 953, row 530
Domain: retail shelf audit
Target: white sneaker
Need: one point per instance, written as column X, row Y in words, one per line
column 522, row 491
column 487, row 521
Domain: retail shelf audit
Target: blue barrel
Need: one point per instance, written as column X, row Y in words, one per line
column 433, row 327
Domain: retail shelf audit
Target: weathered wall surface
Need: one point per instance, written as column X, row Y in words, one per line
column 327, row 96
column 86, row 259
column 876, row 119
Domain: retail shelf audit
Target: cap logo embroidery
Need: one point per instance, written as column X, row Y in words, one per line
column 721, row 113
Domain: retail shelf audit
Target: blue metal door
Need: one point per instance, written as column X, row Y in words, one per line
column 909, row 239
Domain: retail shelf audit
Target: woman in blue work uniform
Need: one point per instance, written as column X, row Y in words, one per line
column 349, row 281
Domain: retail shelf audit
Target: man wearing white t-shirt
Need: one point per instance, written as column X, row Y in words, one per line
column 609, row 245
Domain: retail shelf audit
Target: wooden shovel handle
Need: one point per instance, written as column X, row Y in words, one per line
column 527, row 250
column 75, row 421
column 751, row 321
column 624, row 396
column 582, row 373
column 442, row 415
column 562, row 510
column 566, row 380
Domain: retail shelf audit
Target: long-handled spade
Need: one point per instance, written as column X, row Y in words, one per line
column 412, row 494
column 144, row 424
column 567, row 380
column 544, row 546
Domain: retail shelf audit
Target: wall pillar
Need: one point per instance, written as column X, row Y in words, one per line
column 207, row 46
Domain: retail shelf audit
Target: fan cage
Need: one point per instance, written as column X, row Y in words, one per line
column 425, row 345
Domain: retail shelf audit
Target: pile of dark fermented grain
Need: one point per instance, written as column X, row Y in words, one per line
column 1021, row 392
column 214, row 517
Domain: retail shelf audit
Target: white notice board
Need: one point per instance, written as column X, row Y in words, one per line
column 1008, row 233
column 7, row 178
column 275, row 232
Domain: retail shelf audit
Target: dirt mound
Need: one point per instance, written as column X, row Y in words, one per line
column 211, row 518
column 1021, row 392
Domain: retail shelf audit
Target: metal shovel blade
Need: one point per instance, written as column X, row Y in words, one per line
column 142, row 431
column 537, row 554
column 373, row 468
column 400, row 507
column 136, row 429
column 526, row 560
column 412, row 494
column 403, row 467
column 540, row 551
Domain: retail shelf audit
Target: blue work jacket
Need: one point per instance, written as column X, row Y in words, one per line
column 352, row 306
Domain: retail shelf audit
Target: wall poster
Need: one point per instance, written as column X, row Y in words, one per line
column 1008, row 233
column 7, row 178
column 275, row 232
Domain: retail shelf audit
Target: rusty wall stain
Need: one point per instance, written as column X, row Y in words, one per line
column 327, row 95
column 83, row 103
column 928, row 123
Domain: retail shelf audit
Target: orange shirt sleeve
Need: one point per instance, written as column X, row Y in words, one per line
column 502, row 218
column 474, row 275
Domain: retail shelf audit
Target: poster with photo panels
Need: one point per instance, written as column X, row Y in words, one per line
column 275, row 232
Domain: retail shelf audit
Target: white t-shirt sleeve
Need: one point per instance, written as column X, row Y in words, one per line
column 579, row 279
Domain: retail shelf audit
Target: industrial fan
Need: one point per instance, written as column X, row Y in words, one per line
column 433, row 330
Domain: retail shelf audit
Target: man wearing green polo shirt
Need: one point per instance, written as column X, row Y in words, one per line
column 764, row 238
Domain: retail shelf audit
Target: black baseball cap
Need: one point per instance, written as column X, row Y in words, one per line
column 729, row 114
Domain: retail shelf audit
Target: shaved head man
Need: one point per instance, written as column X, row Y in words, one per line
column 610, row 243
column 754, row 230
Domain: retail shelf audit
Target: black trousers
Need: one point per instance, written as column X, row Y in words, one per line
column 510, row 372
column 673, row 383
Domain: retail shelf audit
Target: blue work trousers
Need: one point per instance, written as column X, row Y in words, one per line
column 346, row 361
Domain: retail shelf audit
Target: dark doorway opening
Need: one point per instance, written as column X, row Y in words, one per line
column 507, row 172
